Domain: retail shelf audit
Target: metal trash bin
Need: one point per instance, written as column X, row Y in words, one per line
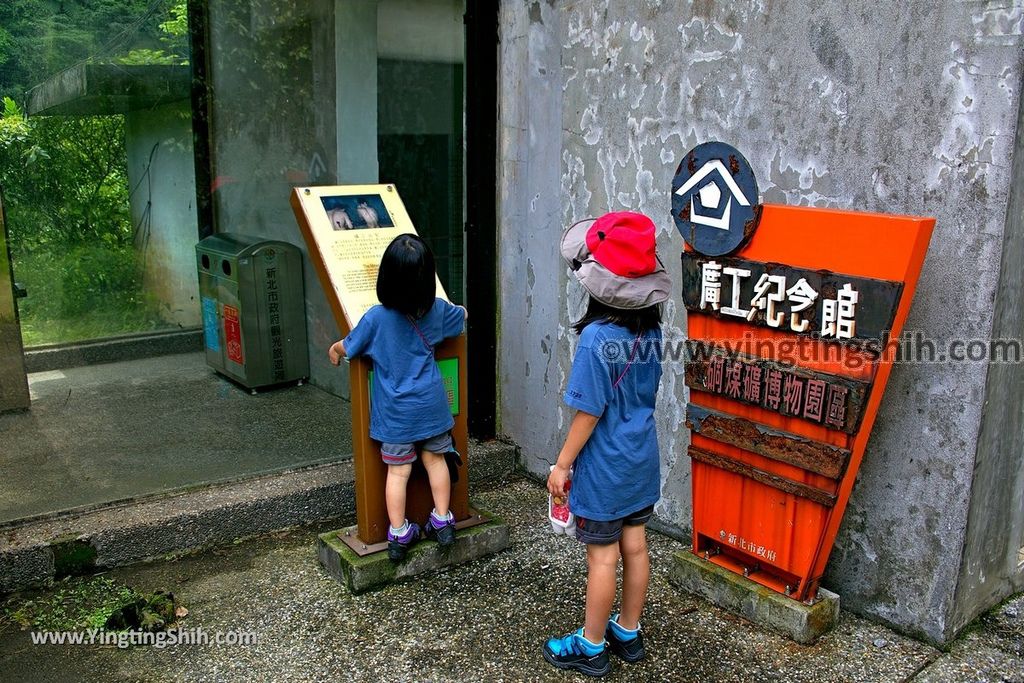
column 254, row 309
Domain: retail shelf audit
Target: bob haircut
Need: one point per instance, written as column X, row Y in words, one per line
column 406, row 278
column 636, row 321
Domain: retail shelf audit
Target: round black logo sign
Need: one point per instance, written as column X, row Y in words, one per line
column 714, row 199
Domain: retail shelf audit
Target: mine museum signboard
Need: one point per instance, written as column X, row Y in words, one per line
column 796, row 312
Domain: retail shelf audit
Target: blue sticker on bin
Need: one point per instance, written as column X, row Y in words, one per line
column 211, row 330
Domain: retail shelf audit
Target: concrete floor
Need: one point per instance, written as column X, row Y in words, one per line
column 484, row 621
column 115, row 431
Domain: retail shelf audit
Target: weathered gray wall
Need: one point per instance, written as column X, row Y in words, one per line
column 892, row 107
column 995, row 521
column 532, row 280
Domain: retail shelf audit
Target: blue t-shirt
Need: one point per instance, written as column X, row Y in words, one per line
column 409, row 402
column 618, row 470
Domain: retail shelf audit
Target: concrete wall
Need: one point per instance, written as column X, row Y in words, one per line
column 161, row 171
column 994, row 548
column 892, row 107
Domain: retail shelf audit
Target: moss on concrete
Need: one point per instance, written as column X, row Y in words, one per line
column 73, row 557
column 369, row 572
column 799, row 621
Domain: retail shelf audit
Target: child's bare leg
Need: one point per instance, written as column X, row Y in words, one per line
column 394, row 493
column 602, row 561
column 440, row 481
column 636, row 574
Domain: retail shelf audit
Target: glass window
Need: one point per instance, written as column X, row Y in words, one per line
column 420, row 122
column 99, row 172
column 99, row 177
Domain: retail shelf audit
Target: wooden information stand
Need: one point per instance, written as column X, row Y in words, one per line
column 347, row 228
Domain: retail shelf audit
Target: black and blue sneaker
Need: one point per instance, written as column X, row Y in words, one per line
column 627, row 644
column 399, row 544
column 573, row 651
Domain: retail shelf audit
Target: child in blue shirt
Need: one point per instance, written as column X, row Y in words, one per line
column 612, row 441
column 409, row 407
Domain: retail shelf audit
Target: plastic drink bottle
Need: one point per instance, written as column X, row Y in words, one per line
column 561, row 517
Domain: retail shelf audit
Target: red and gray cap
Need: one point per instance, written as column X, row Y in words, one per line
column 615, row 260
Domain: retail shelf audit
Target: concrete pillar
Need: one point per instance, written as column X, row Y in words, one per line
column 161, row 171
column 13, row 382
column 355, row 55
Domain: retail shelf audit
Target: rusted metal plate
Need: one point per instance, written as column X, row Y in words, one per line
column 833, row 401
column 835, row 307
column 781, row 483
column 814, row 456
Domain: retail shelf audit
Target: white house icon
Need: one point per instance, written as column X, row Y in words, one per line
column 710, row 195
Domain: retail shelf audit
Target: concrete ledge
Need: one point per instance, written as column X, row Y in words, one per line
column 156, row 527
column 361, row 574
column 36, row 551
column 129, row 347
column 799, row 621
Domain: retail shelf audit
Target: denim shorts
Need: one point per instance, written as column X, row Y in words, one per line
column 405, row 453
column 592, row 532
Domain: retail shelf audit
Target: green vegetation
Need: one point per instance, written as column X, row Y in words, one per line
column 65, row 179
column 95, row 602
column 38, row 38
column 76, row 604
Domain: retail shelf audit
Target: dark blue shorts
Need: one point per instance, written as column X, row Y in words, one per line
column 406, row 453
column 592, row 532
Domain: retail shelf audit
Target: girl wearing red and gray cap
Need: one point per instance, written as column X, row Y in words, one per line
column 612, row 444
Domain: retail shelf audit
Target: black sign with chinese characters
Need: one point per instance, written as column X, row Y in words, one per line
column 833, row 401
column 831, row 306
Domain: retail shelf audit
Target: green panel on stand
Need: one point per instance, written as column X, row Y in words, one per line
column 449, row 368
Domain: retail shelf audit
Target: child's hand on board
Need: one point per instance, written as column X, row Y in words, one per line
column 556, row 480
column 336, row 352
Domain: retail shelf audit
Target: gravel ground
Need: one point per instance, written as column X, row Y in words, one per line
column 484, row 621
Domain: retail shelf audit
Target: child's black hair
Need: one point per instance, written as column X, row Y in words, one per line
column 635, row 320
column 406, row 278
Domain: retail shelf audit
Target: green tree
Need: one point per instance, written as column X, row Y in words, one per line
column 39, row 38
column 65, row 177
column 174, row 39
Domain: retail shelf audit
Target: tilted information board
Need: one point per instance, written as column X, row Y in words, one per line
column 347, row 228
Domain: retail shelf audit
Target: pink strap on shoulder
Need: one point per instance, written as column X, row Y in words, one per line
column 430, row 347
column 632, row 355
